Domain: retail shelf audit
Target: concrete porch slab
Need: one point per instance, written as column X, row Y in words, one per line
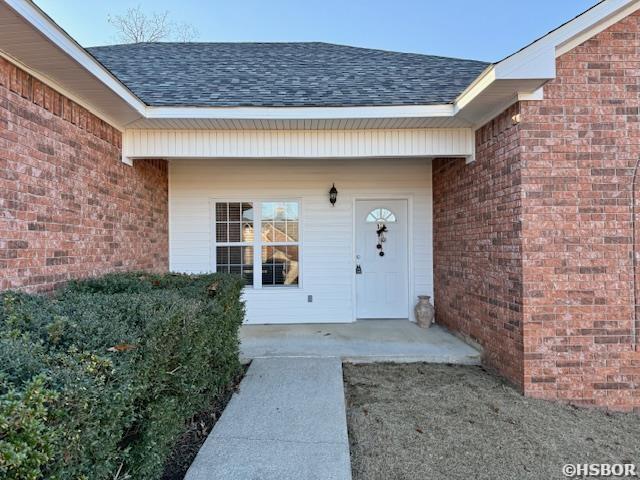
column 361, row 341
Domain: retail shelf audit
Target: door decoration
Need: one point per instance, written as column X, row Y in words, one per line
column 382, row 217
column 382, row 229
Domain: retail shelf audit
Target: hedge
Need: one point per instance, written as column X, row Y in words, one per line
column 98, row 381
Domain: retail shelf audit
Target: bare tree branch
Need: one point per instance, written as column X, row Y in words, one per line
column 135, row 26
column 185, row 32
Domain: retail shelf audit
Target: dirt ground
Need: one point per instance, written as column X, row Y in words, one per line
column 426, row 421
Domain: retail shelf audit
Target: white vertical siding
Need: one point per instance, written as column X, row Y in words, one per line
column 434, row 142
column 327, row 232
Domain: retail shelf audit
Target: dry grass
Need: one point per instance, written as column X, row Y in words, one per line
column 419, row 421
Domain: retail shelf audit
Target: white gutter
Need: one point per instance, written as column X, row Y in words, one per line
column 300, row 113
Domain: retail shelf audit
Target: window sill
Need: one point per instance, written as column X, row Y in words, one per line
column 265, row 290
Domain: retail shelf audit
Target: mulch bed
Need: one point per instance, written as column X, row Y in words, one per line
column 197, row 430
column 426, row 421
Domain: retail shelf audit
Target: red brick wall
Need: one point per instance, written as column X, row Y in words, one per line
column 563, row 178
column 580, row 146
column 68, row 206
column 477, row 246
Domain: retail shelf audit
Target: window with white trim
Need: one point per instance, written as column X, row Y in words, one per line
column 236, row 244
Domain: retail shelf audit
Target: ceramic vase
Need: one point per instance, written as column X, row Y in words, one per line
column 425, row 312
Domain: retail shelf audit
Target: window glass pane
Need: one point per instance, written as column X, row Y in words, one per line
column 267, row 265
column 247, row 232
column 247, row 212
column 221, row 212
column 280, row 231
column 237, row 260
column 221, row 232
column 280, row 265
column 292, row 231
column 267, row 231
column 222, row 255
column 234, row 232
column 280, row 222
column 268, row 211
column 247, row 265
column 292, row 211
column 235, row 255
column 234, row 212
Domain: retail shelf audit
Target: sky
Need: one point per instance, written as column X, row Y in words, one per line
column 478, row 29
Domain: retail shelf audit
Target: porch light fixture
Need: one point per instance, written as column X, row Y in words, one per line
column 333, row 195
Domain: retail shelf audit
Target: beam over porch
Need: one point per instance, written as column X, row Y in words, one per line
column 421, row 142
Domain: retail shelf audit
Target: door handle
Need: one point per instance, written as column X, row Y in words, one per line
column 358, row 267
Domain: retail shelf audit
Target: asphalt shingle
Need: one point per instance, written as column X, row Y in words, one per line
column 284, row 74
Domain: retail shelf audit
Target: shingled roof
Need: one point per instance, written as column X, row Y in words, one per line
column 284, row 74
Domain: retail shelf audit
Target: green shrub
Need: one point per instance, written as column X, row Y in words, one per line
column 25, row 439
column 119, row 364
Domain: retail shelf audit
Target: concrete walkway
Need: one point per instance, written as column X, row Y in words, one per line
column 287, row 422
column 362, row 341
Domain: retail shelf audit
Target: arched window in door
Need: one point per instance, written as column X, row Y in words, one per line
column 381, row 215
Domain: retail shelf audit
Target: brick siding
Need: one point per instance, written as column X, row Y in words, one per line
column 477, row 246
column 580, row 146
column 563, row 179
column 68, row 206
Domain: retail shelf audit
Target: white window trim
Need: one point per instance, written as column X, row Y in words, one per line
column 257, row 243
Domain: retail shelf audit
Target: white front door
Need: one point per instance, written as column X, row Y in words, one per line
column 381, row 280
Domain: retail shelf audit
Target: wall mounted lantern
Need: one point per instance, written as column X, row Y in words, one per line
column 333, row 195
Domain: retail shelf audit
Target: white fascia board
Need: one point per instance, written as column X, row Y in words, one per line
column 538, row 59
column 300, row 113
column 613, row 17
column 33, row 15
column 486, row 78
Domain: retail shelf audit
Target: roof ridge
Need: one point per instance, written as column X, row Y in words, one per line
column 330, row 44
